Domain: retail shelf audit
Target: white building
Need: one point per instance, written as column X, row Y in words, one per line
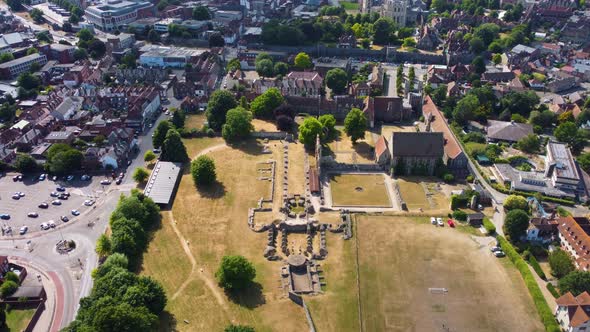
column 168, row 57
column 573, row 313
column 396, row 10
column 112, row 14
column 162, row 26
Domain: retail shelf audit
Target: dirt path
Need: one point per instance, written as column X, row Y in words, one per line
column 204, row 276
column 211, row 149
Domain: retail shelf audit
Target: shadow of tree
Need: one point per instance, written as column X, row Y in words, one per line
column 363, row 149
column 249, row 146
column 167, row 322
column 251, row 297
column 214, row 190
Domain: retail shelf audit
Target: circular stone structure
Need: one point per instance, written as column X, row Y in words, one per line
column 296, row 260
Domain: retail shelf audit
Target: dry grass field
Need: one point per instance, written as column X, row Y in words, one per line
column 263, row 125
column 359, row 190
column 390, row 129
column 401, row 258
column 195, row 121
column 212, row 222
column 414, row 192
column 342, row 148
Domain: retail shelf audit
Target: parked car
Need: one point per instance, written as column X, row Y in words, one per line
column 85, row 177
column 54, row 178
column 88, row 202
column 156, row 151
column 70, row 178
column 43, row 205
column 4, row 216
column 16, row 197
column 42, row 177
column 20, row 194
column 495, row 249
column 56, row 202
column 60, row 188
column 64, row 218
column 105, row 182
column 440, row 222
column 23, row 230
column 32, row 215
column 63, row 197
column 75, row 212
column 51, row 223
column 433, row 220
column 44, row 226
column 451, row 223
column 54, row 194
column 119, row 180
column 499, row 254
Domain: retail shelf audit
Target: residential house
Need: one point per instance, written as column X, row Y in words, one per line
column 65, row 137
column 507, row 131
column 475, row 219
column 454, row 157
column 416, row 152
column 541, row 229
column 561, row 83
column 323, row 65
column 573, row 312
column 302, row 83
column 428, row 39
column 361, row 89
column 573, row 236
column 68, row 108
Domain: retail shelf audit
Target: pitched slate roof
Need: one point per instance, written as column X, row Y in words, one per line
column 578, row 307
column 507, row 130
column 419, row 144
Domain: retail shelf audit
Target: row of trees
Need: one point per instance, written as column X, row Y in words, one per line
column 120, row 300
column 61, row 159
column 167, row 137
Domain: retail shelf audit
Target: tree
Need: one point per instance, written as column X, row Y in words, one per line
column 97, row 48
column 529, row 144
column 265, row 68
column 336, row 80
column 201, row 13
column 5, row 57
column 303, row 61
column 173, row 149
column 561, row 263
column 479, row 65
column 219, row 103
column 409, row 42
column 11, row 276
column 28, row 81
column 576, row 282
column 80, row 54
column 513, row 202
column 66, row 161
column 123, row 317
column 497, row 58
column 465, row 109
column 7, row 112
column 328, row 122
column 140, row 175
column 238, row 328
column 147, row 293
column 74, row 19
column 216, row 40
column 568, row 133
column 8, row 288
column 238, row 125
column 516, row 224
column 355, row 124
column 36, row 15
column 103, row 246
column 284, row 123
column 584, row 161
column 519, row 102
column 160, row 133
column 233, row 65
column 382, row 30
column 203, row 171
column 309, row 130
column 85, row 35
column 153, row 36
column 15, row 5
column 235, row 273
column 476, row 45
column 178, row 118
column 67, row 27
column 129, row 61
column 26, row 164
column 264, row 105
column 281, row 68
column 149, row 156
column 99, row 139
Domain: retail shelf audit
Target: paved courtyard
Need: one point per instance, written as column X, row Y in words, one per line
column 37, row 192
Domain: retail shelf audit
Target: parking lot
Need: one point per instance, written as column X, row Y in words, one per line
column 37, row 192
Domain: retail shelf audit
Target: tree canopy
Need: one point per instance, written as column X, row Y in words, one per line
column 561, row 263
column 235, row 273
column 140, row 175
column 355, row 124
column 336, row 80
column 309, row 130
column 160, row 133
column 513, row 202
column 173, row 149
column 201, row 13
column 303, row 61
column 219, row 103
column 238, row 125
column 516, row 224
column 575, row 282
column 203, row 171
column 264, row 105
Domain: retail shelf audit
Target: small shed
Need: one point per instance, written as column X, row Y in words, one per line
column 475, row 219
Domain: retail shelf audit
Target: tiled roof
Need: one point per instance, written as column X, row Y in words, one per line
column 439, row 124
column 577, row 238
column 380, row 146
column 578, row 307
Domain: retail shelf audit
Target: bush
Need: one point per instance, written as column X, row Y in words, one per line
column 514, row 202
column 469, row 178
column 210, row 132
column 552, row 290
column 533, row 261
column 8, row 288
column 11, row 276
column 203, row 171
column 460, row 215
column 489, row 226
column 538, row 299
column 448, row 178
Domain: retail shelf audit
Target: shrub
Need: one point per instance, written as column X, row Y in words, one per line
column 538, row 299
column 11, row 276
column 203, row 171
column 533, row 261
column 448, row 178
column 552, row 290
column 489, row 226
column 210, row 132
column 460, row 215
column 514, row 202
column 469, row 178
column 8, row 288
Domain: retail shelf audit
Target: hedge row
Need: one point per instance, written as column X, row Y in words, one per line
column 537, row 267
column 542, row 308
column 567, row 202
column 489, row 226
column 552, row 290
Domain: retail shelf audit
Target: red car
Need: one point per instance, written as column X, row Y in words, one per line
column 451, row 223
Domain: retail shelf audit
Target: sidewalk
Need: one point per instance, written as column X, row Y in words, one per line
column 543, row 286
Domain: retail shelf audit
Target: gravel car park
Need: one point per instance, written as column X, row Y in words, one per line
column 37, row 201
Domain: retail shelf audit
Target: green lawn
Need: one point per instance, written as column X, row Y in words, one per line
column 349, row 5
column 359, row 190
column 17, row 320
